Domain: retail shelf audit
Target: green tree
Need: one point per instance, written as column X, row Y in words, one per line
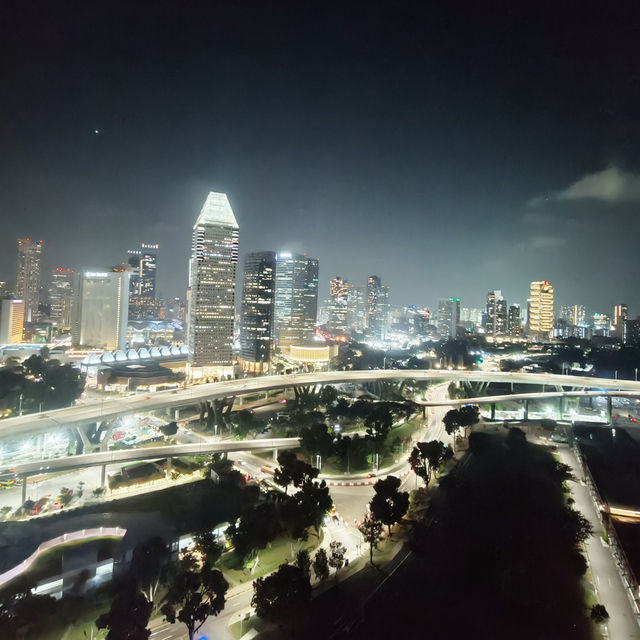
column 599, row 613
column 293, row 471
column 128, row 616
column 388, row 504
column 378, row 424
column 169, row 429
column 207, row 545
column 148, row 566
column 194, row 594
column 328, row 395
column 255, row 528
column 303, row 562
column 427, row 457
column 321, row 565
column 285, row 592
column 371, row 530
column 316, row 440
column 337, row 552
column 313, row 502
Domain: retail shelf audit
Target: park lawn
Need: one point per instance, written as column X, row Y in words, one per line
column 269, row 559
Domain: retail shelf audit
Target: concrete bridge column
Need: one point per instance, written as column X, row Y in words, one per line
column 275, row 455
column 526, row 410
column 168, row 469
column 609, row 410
column 103, row 476
column 560, row 413
column 176, row 414
column 24, row 489
column 493, row 411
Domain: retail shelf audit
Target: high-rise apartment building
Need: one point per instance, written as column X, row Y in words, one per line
column 574, row 314
column 142, row 289
column 11, row 321
column 28, row 276
column 100, row 309
column 61, row 297
column 620, row 317
column 540, row 310
column 448, row 317
column 514, row 322
column 601, row 324
column 256, row 323
column 337, row 307
column 296, row 298
column 212, row 278
column 496, row 314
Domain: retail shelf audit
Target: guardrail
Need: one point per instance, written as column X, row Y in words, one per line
column 625, row 570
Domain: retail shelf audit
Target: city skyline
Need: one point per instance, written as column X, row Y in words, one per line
column 393, row 159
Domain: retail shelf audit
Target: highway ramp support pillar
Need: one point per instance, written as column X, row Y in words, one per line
column 168, row 469
column 103, row 476
column 493, row 411
column 526, row 410
column 176, row 414
column 24, row 489
column 275, row 454
column 609, row 410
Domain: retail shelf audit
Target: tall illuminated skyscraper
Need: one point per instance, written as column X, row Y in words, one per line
column 61, row 297
column 377, row 308
column 28, row 276
column 620, row 316
column 540, row 310
column 574, row 314
column 256, row 325
column 296, row 299
column 212, row 277
column 496, row 314
column 142, row 289
column 448, row 317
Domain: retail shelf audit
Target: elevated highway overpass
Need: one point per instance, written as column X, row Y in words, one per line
column 95, row 412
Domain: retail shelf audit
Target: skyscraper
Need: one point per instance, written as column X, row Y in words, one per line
column 256, row 324
column 142, row 289
column 357, row 308
column 61, row 297
column 11, row 321
column 514, row 322
column 496, row 314
column 377, row 308
column 296, row 299
column 574, row 314
column 620, row 316
column 540, row 310
column 100, row 309
column 338, row 305
column 212, row 276
column 28, row 276
column 448, row 317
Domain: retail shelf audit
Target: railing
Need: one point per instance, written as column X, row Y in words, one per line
column 627, row 574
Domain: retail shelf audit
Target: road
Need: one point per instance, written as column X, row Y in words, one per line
column 92, row 412
column 611, row 593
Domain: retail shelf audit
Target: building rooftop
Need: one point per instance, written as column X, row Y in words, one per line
column 217, row 210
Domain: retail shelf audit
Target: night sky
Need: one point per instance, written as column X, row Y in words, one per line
column 449, row 150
